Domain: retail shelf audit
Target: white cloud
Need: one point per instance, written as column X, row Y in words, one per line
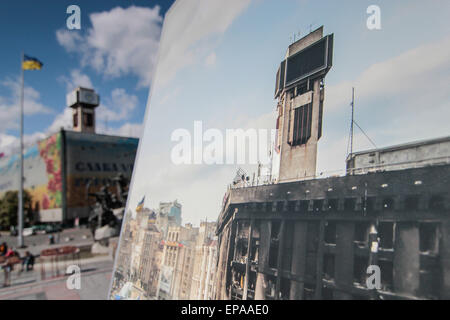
column 76, row 79
column 62, row 120
column 70, row 40
column 417, row 76
column 128, row 129
column 6, row 141
column 211, row 60
column 118, row 107
column 10, row 105
column 10, row 144
column 188, row 37
column 120, row 42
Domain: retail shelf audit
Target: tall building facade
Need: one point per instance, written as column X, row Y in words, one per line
column 177, row 263
column 203, row 277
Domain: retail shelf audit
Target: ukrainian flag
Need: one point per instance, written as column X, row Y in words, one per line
column 140, row 205
column 30, row 63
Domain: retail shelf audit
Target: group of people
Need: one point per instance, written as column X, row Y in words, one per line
column 9, row 257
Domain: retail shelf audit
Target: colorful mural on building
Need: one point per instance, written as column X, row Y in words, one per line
column 43, row 175
column 50, row 153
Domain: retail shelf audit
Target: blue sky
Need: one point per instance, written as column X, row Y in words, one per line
column 218, row 65
column 33, row 26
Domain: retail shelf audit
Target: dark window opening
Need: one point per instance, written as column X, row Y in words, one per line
column 310, row 269
column 330, row 232
column 318, row 204
column 308, row 291
column 285, row 288
column 319, row 134
column 256, row 238
column 333, row 204
column 360, row 265
column 75, row 119
column 429, row 237
column 301, row 89
column 312, row 236
column 349, row 204
column 328, row 266
column 386, row 235
column 302, row 125
column 327, row 293
column 362, row 232
column 388, row 204
column 304, row 205
column 430, row 263
column 291, row 205
column 292, row 93
column 88, row 119
column 412, row 202
column 251, row 285
column 387, row 275
column 280, row 206
column 429, row 282
column 437, row 202
column 274, row 244
column 369, row 204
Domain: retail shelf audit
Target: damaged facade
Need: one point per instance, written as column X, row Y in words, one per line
column 309, row 238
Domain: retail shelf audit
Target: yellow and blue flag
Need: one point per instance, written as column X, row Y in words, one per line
column 140, row 205
column 30, row 63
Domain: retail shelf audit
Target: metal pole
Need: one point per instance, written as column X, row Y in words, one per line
column 20, row 209
column 351, row 127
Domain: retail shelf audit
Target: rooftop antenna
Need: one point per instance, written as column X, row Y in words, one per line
column 353, row 121
column 293, row 38
column 311, row 25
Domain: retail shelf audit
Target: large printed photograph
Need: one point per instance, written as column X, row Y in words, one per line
column 293, row 150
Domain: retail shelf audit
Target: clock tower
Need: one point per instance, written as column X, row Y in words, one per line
column 83, row 102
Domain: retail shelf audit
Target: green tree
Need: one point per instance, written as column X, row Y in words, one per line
column 8, row 209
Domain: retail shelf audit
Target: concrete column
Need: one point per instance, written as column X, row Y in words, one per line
column 319, row 261
column 444, row 251
column 279, row 259
column 343, row 260
column 406, row 259
column 247, row 265
column 263, row 257
column 298, row 259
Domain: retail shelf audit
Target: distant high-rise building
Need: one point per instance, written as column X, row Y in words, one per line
column 203, row 276
column 172, row 210
column 177, row 263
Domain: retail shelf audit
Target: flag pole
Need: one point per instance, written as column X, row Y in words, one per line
column 20, row 209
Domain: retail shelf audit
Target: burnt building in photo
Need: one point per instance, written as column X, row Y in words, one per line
column 309, row 238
